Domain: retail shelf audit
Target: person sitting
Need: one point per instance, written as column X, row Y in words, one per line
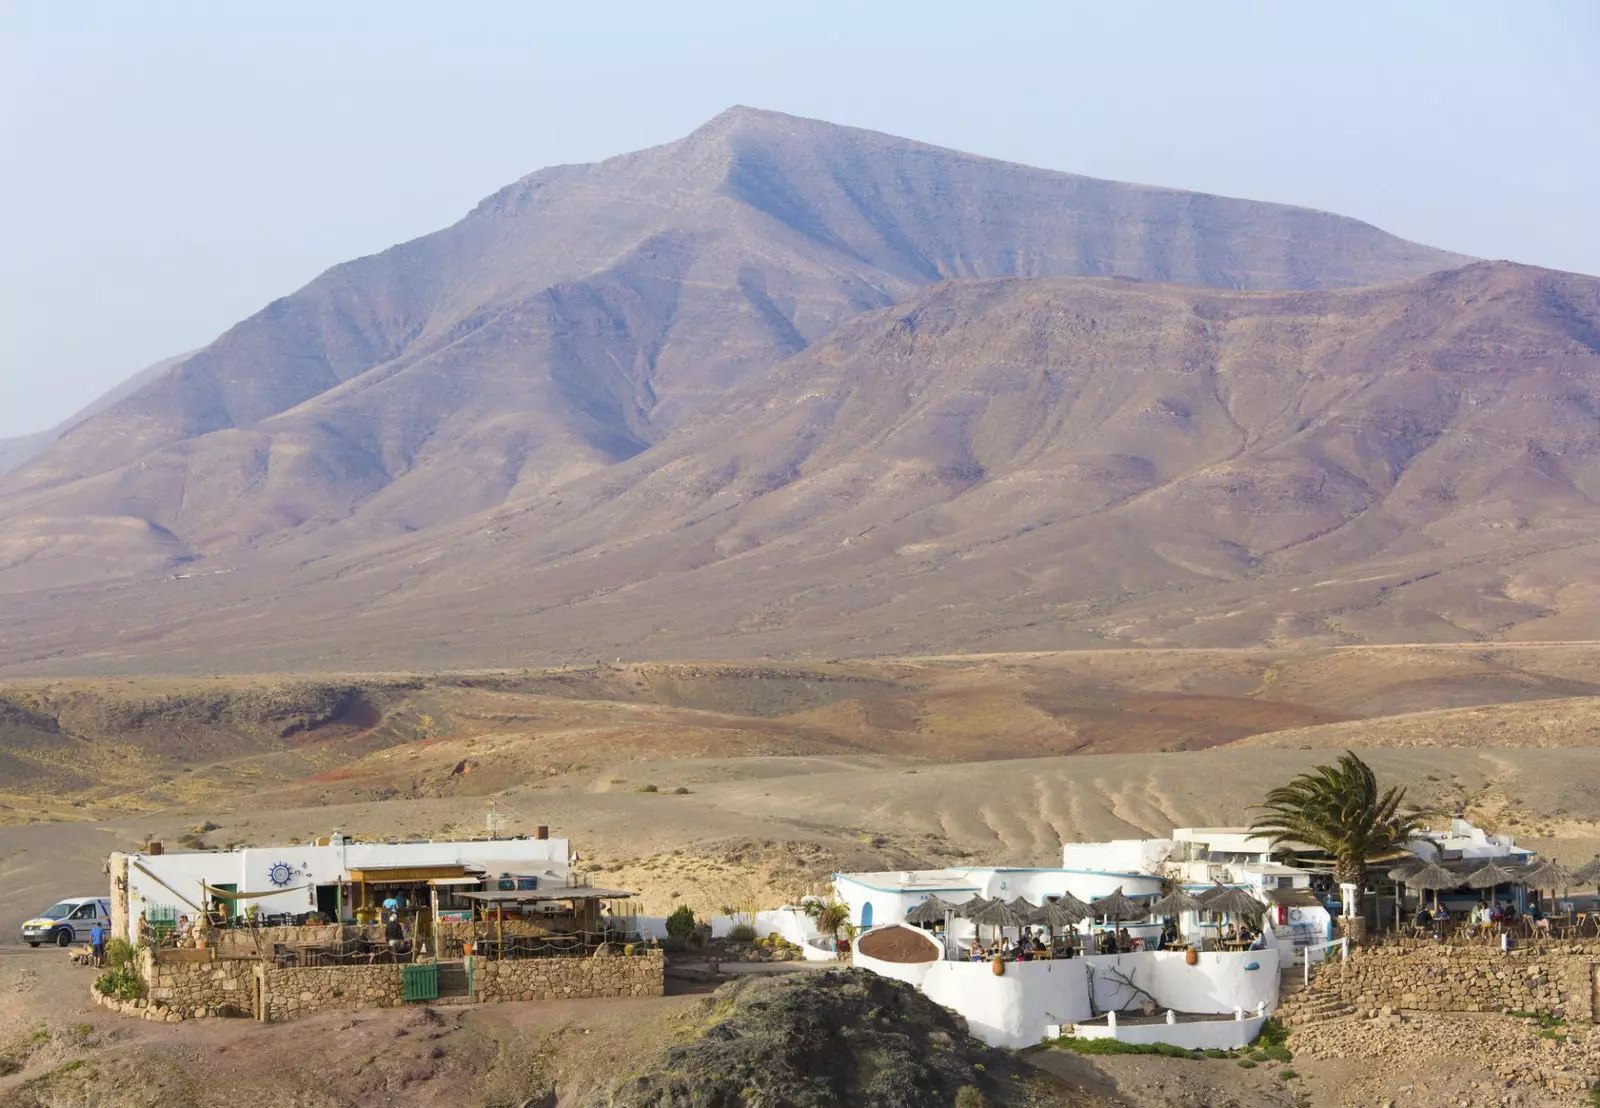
column 1124, row 940
column 1259, row 942
column 1422, row 919
column 1107, row 943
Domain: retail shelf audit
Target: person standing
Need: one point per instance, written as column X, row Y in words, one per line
column 97, row 943
column 395, row 933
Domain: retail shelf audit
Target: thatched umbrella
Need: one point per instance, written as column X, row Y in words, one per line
column 998, row 914
column 1587, row 874
column 932, row 910
column 1490, row 876
column 1434, row 877
column 967, row 908
column 1063, row 914
column 1546, row 875
column 1117, row 907
column 1176, row 903
column 1231, row 901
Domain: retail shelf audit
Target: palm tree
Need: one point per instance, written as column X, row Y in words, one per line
column 1338, row 809
column 829, row 915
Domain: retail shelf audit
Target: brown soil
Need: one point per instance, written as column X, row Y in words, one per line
column 898, row 944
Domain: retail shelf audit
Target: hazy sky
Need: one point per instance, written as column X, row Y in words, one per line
column 168, row 168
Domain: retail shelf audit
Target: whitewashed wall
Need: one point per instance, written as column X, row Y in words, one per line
column 1016, row 1008
column 1228, row 1034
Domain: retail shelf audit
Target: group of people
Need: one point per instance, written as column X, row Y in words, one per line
column 1028, row 945
column 1493, row 916
column 1244, row 935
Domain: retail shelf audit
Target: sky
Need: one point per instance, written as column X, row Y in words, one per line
column 166, row 169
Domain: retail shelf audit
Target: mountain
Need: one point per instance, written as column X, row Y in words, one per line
column 586, row 313
column 999, row 465
column 17, row 451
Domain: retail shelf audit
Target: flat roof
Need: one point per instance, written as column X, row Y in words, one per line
column 569, row 892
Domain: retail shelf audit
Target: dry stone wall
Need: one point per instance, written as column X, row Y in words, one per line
column 296, row 991
column 602, row 975
column 1556, row 979
column 192, row 988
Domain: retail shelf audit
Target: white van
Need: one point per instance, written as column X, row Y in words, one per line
column 68, row 922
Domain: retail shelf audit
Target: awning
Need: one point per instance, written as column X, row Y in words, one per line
column 441, row 881
column 373, row 875
column 1291, row 898
column 573, row 892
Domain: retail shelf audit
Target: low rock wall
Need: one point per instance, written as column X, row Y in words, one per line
column 189, row 989
column 1556, row 979
column 299, row 991
column 603, row 975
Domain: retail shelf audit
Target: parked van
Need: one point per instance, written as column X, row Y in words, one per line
column 68, row 922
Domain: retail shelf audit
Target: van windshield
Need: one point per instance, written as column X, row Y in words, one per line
column 59, row 911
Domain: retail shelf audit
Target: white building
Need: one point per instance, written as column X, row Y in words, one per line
column 880, row 898
column 332, row 877
column 1198, row 858
column 1465, row 842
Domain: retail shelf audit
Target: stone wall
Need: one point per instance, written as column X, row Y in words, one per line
column 1554, row 978
column 299, row 991
column 602, row 975
column 197, row 987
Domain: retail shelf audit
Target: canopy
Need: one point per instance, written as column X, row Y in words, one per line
column 229, row 894
column 1488, row 875
column 1176, row 903
column 1231, row 901
column 1117, row 907
column 1062, row 914
column 971, row 906
column 931, row 910
column 573, row 892
column 1588, row 873
column 997, row 913
column 1435, row 877
column 1546, row 875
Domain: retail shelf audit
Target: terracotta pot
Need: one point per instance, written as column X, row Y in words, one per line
column 999, row 967
column 1192, row 956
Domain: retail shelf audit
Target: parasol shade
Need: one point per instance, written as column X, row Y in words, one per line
column 1232, row 902
column 1117, row 907
column 1433, row 877
column 997, row 913
column 1062, row 914
column 1176, row 903
column 931, row 910
column 1588, row 873
column 1546, row 875
column 1488, row 875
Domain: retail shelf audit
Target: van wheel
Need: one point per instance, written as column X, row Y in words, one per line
column 64, row 937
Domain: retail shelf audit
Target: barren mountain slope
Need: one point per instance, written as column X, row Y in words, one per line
column 581, row 314
column 1006, row 465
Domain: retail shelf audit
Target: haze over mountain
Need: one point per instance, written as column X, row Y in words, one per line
column 696, row 400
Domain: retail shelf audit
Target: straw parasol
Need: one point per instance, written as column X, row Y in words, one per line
column 967, row 908
column 1176, row 903
column 1231, row 901
column 1546, row 875
column 1117, row 907
column 1489, row 875
column 1061, row 915
column 1433, row 877
column 932, row 910
column 1588, row 874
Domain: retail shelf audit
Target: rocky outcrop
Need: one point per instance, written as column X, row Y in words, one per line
column 823, row 1039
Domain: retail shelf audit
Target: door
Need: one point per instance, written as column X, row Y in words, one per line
column 221, row 904
column 328, row 902
column 866, row 915
column 82, row 921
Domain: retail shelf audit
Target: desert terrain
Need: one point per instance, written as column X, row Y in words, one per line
column 716, row 784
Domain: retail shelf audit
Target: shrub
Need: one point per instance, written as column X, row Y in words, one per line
column 741, row 933
column 970, row 1096
column 124, row 984
column 1246, row 1064
column 681, row 790
column 119, row 954
column 645, row 789
column 1287, row 1074
column 1275, row 1052
column 680, row 925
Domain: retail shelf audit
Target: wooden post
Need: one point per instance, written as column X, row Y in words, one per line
column 500, row 929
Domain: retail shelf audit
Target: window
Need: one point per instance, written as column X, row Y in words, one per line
column 85, row 911
column 58, row 911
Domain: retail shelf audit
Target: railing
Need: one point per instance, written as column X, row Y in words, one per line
column 1344, row 949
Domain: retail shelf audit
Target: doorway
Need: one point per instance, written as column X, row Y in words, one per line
column 328, row 902
column 866, row 915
